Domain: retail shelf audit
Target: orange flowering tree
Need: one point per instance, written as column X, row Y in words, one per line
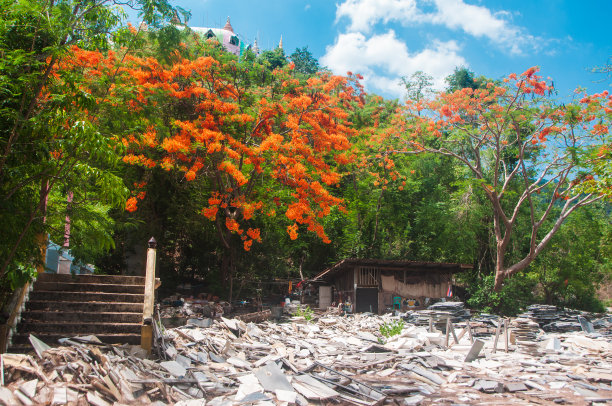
column 264, row 143
column 534, row 160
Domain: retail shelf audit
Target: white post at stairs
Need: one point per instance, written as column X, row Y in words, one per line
column 146, row 335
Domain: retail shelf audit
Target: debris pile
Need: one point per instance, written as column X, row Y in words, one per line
column 484, row 324
column 603, row 325
column 438, row 313
column 456, row 310
column 553, row 319
column 333, row 359
column 176, row 310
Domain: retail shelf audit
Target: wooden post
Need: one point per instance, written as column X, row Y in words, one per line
column 146, row 335
column 497, row 331
column 469, row 329
column 506, row 333
column 452, row 327
column 447, row 333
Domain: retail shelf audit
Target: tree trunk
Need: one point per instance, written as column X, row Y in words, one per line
column 499, row 280
column 548, row 296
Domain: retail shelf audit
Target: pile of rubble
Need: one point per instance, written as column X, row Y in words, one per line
column 332, row 359
column 558, row 320
column 441, row 311
column 176, row 309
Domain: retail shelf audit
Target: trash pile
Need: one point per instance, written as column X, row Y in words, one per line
column 332, row 359
column 176, row 309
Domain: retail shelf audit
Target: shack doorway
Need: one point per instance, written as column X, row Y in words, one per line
column 366, row 300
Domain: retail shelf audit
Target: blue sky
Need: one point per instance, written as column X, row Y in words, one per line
column 387, row 39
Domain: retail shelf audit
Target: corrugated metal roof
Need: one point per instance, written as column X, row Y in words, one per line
column 391, row 264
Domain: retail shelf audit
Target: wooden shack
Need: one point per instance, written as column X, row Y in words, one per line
column 374, row 285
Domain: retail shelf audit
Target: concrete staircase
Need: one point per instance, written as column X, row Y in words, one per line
column 60, row 306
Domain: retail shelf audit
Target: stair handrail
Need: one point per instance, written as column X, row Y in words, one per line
column 146, row 335
column 16, row 305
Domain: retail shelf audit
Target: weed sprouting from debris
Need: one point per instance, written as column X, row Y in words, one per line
column 304, row 311
column 391, row 328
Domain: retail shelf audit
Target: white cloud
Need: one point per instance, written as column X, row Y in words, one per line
column 477, row 21
column 365, row 13
column 383, row 59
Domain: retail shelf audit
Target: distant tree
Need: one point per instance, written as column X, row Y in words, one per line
column 418, row 86
column 570, row 270
column 273, row 59
column 461, row 78
column 605, row 69
column 304, row 61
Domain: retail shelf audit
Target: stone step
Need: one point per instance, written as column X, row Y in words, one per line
column 64, row 296
column 80, row 316
column 63, row 306
column 111, row 279
column 21, row 342
column 68, row 329
column 87, row 287
column 34, row 305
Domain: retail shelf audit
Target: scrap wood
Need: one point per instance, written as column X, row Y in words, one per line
column 257, row 317
column 373, row 402
column 10, row 361
column 165, row 380
column 311, row 388
column 430, row 376
column 371, row 392
column 104, row 391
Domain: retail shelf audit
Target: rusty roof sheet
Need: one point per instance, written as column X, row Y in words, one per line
column 388, row 263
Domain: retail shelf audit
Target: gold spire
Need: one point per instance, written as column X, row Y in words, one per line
column 228, row 26
column 255, row 47
column 280, row 44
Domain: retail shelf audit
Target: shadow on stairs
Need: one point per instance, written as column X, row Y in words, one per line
column 62, row 306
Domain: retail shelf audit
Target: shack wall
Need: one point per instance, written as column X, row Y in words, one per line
column 344, row 286
column 418, row 284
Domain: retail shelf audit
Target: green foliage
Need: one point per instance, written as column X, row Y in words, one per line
column 576, row 261
column 20, row 275
column 304, row 61
column 273, row 59
column 462, row 78
column 50, row 140
column 514, row 297
column 391, row 328
column 415, row 210
column 418, row 86
column 304, row 311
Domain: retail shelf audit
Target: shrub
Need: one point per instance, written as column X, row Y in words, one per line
column 515, row 296
column 304, row 311
column 391, row 328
